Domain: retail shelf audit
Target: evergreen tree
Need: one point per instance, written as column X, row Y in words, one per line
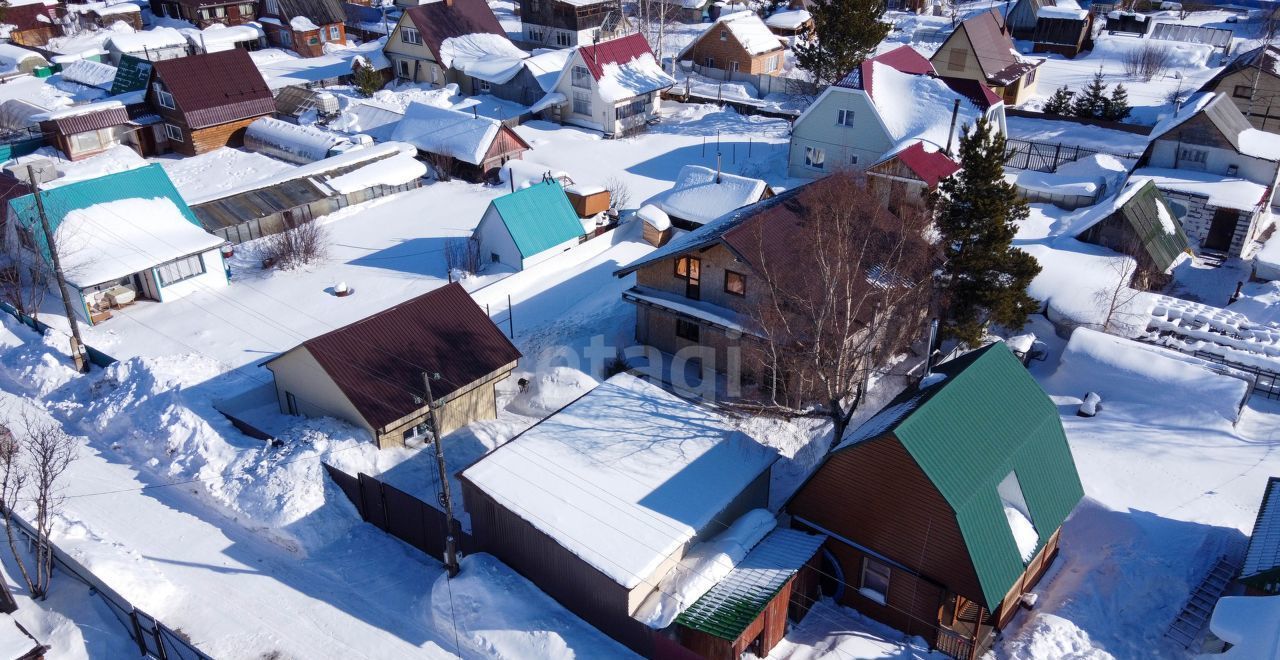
column 367, row 80
column 1059, row 103
column 1118, row 104
column 847, row 32
column 1092, row 102
column 985, row 278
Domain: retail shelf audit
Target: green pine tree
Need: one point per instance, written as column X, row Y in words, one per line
column 847, row 32
column 367, row 80
column 1118, row 104
column 985, row 278
column 1059, row 103
column 1092, row 102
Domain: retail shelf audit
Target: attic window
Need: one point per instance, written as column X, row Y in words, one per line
column 724, row 35
column 1018, row 516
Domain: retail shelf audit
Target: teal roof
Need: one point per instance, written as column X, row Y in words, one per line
column 539, row 217
column 730, row 606
column 988, row 417
column 147, row 182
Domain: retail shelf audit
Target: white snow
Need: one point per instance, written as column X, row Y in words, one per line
column 294, row 142
column 654, row 217
column 108, row 241
column 788, row 19
column 1166, row 219
column 212, row 173
column 218, row 37
column 1250, row 624
column 698, row 197
column 1221, row 191
column 77, row 110
column 302, row 24
column 393, row 171
column 489, row 57
column 1068, row 12
column 137, row 42
column 1024, row 533
column 1057, row 184
column 546, row 65
column 88, row 72
column 436, row 130
column 750, row 31
column 624, row 476
column 912, row 107
column 11, row 56
column 641, row 75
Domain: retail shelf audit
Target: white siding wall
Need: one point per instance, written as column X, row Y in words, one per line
column 549, row 253
column 1165, row 154
column 214, row 277
column 494, row 238
column 819, row 127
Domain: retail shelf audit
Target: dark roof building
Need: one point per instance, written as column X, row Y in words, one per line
column 437, row 21
column 371, row 372
column 207, row 100
column 1261, row 571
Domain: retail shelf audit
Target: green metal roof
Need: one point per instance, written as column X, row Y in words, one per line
column 132, row 75
column 730, row 606
column 539, row 217
column 1142, row 211
column 986, row 418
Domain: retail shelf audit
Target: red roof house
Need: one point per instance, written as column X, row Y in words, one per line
column 206, row 101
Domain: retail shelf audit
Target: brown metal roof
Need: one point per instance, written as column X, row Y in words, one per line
column 216, row 88
column 321, row 12
column 378, row 361
column 89, row 121
column 994, row 49
column 438, row 21
column 27, row 17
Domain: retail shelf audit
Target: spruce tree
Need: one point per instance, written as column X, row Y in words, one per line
column 1092, row 102
column 1117, row 104
column 985, row 278
column 367, row 81
column 847, row 32
column 1059, row 103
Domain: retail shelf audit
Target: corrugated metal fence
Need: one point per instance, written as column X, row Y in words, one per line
column 398, row 513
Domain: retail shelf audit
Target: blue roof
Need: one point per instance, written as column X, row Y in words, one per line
column 539, row 217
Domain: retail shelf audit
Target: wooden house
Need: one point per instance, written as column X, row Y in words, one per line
column 33, row 24
column 416, row 46
column 1065, row 29
column 905, row 178
column 95, row 16
column 738, row 43
column 121, row 238
column 303, row 26
column 1252, row 82
column 612, row 86
column 565, row 24
column 981, row 49
column 528, row 226
column 789, row 23
column 204, row 13
column 371, row 373
column 1141, row 223
column 206, row 101
column 1021, row 17
column 88, row 130
column 701, row 194
column 1218, row 171
column 459, row 143
column 613, row 491
column 944, row 508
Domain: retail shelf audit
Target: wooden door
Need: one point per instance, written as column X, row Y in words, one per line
column 1222, row 229
column 693, row 284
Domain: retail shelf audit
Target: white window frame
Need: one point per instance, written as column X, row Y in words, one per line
column 771, row 64
column 334, row 33
column 173, row 133
column 247, row 9
column 220, row 12
column 815, row 158
column 562, row 39
column 845, row 117
column 180, row 270
column 410, row 36
column 483, row 86
column 404, row 69
column 580, row 77
column 583, row 98
column 877, row 589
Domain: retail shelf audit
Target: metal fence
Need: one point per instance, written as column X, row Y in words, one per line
column 96, row 357
column 1047, row 157
column 398, row 513
column 1266, row 383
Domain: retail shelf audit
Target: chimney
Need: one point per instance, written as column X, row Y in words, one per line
column 717, row 167
column 928, row 351
column 955, row 114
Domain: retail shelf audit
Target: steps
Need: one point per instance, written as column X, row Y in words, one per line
column 1195, row 613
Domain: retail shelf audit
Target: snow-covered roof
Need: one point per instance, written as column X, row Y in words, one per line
column 1052, row 183
column 461, row 135
column 307, row 142
column 1250, row 624
column 489, row 57
column 88, row 72
column 654, row 217
column 1068, row 9
column 546, row 65
column 1191, row 327
column 76, row 110
column 303, row 24
column 623, row 477
column 623, row 68
column 1263, row 553
column 218, row 37
column 111, row 240
column 1221, row 191
column 368, row 117
column 791, row 19
column 136, row 42
column 396, row 170
column 916, row 107
column 316, row 172
column 12, row 55
column 749, row 30
column 699, row 197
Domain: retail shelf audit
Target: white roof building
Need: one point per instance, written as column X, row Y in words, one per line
column 701, row 194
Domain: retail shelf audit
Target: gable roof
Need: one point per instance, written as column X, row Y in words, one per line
column 321, row 12
column 623, row 68
column 700, row 194
column 747, row 29
column 986, row 418
column 1270, row 65
column 1263, row 552
column 379, row 360
column 28, row 16
column 929, row 165
column 216, row 88
column 1147, row 212
column 437, row 21
column 618, row 51
column 903, row 58
column 997, row 56
column 539, row 217
column 461, row 135
column 1220, row 111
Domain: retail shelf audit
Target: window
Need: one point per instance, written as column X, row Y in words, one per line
column 853, row 159
column 493, row 256
column 733, row 66
column 582, row 103
column 536, row 35
column 420, row 432
column 334, row 33
column 291, row 403
column 724, row 35
column 687, row 330
column 312, row 41
column 247, row 9
column 844, row 117
column 483, row 86
column 735, row 283
column 204, row 14
column 581, row 77
column 688, row 268
column 1031, row 77
column 1192, row 156
column 173, row 133
column 709, row 62
column 636, row 107
column 165, row 99
column 771, row 64
column 1242, row 92
column 404, row 69
column 87, row 141
column 956, row 59
column 410, row 36
column 1018, row 516
column 815, row 157
column 220, row 12
column 875, row 580
column 563, row 39
column 180, row 269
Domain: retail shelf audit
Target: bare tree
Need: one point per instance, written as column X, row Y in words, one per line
column 13, row 479
column 619, row 193
column 462, row 254
column 1117, row 297
column 49, row 451
column 24, row 283
column 297, row 246
column 840, row 293
column 1147, row 61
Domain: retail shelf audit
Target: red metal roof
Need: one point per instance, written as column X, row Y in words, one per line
column 614, row 51
column 378, row 361
column 903, row 58
column 89, row 121
column 979, row 94
column 437, row 21
column 930, row 166
column 216, row 88
column 27, row 17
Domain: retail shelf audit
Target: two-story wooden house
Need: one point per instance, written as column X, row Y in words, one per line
column 207, row 12
column 207, row 101
column 304, row 26
column 1252, row 82
column 736, row 44
column 613, row 86
column 982, row 49
column 568, row 23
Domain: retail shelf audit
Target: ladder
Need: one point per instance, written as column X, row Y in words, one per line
column 1195, row 613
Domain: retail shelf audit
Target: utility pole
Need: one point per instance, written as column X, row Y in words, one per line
column 77, row 345
column 446, row 496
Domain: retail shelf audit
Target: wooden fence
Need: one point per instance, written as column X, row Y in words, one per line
column 398, row 513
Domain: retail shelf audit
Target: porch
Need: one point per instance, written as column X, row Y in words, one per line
column 965, row 629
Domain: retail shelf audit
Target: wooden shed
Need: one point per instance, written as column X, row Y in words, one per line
column 1063, row 31
column 587, row 200
column 1141, row 223
column 945, row 507
column 457, row 143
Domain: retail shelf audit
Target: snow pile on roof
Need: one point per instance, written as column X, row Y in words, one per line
column 1250, row 624
column 90, row 73
column 17, row 114
column 369, row 53
column 623, row 477
column 705, row 565
column 137, row 42
column 1266, row 262
column 918, row 107
column 77, row 110
column 394, row 171
column 546, row 65
column 116, row 9
column 1053, row 183
column 641, row 75
column 791, row 19
column 701, row 195
column 522, row 173
column 302, row 24
column 11, row 56
column 1024, row 533
column 218, row 37
column 104, row 242
column 448, row 132
column 1068, row 9
column 1260, row 144
column 489, row 57
column 654, row 217
column 1221, row 191
column 316, row 172
column 750, row 31
column 1195, row 326
column 293, row 142
column 369, row 118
